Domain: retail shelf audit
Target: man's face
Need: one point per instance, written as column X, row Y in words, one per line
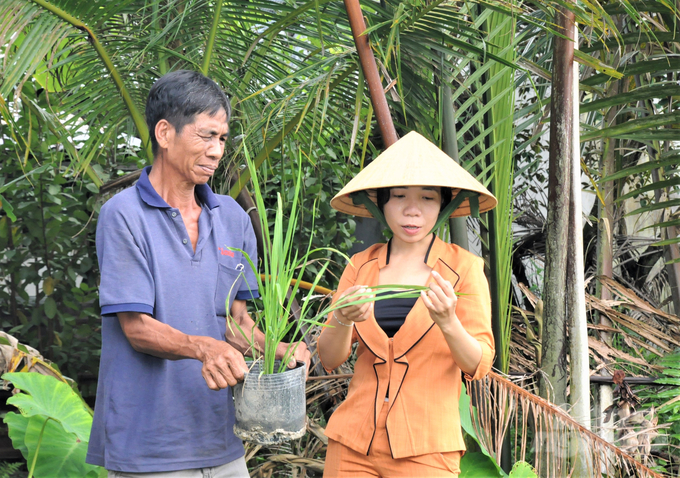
column 196, row 151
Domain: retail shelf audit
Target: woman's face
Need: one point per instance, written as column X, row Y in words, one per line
column 411, row 212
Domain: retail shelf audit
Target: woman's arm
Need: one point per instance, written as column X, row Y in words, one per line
column 335, row 342
column 466, row 327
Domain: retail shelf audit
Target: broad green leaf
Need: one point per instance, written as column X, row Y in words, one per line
column 465, row 411
column 630, row 39
column 639, row 94
column 47, row 396
column 623, row 130
column 16, row 425
column 660, row 185
column 617, row 8
column 657, row 67
column 655, row 206
column 639, row 168
column 479, row 465
column 61, row 453
column 596, row 64
column 675, row 222
column 667, row 242
column 465, row 414
column 664, row 134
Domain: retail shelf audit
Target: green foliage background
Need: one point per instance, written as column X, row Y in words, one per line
column 48, row 253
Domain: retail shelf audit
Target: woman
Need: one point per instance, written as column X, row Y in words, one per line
column 401, row 416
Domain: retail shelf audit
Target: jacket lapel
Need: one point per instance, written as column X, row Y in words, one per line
column 418, row 321
column 369, row 331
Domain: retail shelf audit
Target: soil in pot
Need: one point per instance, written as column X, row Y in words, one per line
column 271, row 409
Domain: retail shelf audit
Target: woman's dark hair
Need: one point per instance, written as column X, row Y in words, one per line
column 384, row 196
column 178, row 97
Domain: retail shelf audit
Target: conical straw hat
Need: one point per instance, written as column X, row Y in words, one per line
column 412, row 161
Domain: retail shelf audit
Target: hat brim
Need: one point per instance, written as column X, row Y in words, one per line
column 413, row 161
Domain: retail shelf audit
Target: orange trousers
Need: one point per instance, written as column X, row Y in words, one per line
column 343, row 462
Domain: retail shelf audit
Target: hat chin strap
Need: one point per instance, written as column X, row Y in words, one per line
column 361, row 198
column 473, row 200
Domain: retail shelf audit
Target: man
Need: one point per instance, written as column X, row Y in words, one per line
column 164, row 402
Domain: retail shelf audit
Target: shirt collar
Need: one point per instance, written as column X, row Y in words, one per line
column 153, row 199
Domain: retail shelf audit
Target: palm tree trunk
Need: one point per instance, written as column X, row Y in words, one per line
column 554, row 351
column 605, row 255
column 579, row 366
column 370, row 69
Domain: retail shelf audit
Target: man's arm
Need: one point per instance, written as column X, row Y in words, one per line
column 223, row 365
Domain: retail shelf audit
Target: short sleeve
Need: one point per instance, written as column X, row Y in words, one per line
column 474, row 312
column 126, row 283
column 248, row 287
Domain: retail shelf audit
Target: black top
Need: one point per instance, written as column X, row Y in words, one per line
column 391, row 313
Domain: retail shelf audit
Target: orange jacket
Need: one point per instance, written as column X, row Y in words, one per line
column 415, row 365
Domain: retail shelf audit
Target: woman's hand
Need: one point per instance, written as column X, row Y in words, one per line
column 441, row 302
column 356, row 312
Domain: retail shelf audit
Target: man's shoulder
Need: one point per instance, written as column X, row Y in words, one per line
column 229, row 208
column 226, row 200
column 125, row 201
column 125, row 198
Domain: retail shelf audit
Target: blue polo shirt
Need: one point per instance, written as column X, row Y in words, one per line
column 153, row 414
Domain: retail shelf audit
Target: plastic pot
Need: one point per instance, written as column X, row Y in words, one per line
column 271, row 409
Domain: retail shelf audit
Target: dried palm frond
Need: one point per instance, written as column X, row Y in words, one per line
column 18, row 357
column 543, row 434
column 271, row 467
column 632, row 301
column 638, row 323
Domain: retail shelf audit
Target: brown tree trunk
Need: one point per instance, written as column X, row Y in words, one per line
column 370, row 69
column 555, row 346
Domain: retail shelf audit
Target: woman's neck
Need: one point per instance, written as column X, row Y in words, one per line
column 407, row 263
column 409, row 250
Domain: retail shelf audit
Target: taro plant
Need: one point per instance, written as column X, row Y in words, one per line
column 52, row 430
column 283, row 266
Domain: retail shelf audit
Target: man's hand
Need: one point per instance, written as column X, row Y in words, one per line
column 241, row 317
column 301, row 354
column 223, row 365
